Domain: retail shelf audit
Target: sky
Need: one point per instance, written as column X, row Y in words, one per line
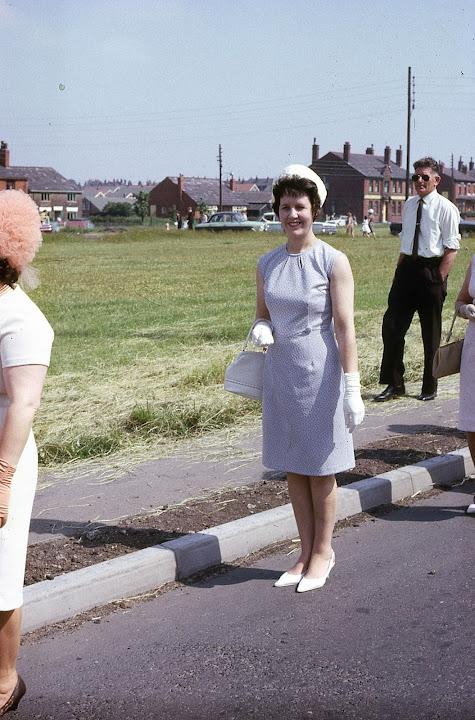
column 115, row 89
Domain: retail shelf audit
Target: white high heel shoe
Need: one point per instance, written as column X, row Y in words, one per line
column 287, row 579
column 307, row 584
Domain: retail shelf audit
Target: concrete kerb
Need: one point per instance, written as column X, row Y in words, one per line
column 145, row 570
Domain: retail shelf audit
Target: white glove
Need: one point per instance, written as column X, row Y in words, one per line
column 353, row 406
column 466, row 311
column 261, row 333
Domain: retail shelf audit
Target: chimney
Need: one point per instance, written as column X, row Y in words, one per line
column 399, row 156
column 387, row 155
column 470, row 165
column 370, row 150
column 181, row 186
column 232, row 183
column 464, row 169
column 460, row 164
column 315, row 151
column 346, row 151
column 4, row 155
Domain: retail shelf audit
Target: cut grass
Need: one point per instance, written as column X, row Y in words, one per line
column 146, row 322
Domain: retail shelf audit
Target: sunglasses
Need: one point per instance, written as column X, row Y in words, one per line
column 416, row 177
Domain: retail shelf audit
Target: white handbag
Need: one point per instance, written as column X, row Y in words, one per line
column 244, row 375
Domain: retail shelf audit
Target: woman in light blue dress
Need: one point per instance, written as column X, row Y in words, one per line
column 466, row 309
column 311, row 394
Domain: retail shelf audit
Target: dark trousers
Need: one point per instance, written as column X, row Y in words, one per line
column 417, row 287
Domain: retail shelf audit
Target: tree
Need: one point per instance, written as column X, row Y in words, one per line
column 141, row 207
column 117, row 209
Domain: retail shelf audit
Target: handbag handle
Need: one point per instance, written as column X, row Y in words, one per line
column 449, row 334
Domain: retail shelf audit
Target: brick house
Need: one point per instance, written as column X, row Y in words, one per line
column 359, row 182
column 56, row 197
column 96, row 197
column 458, row 185
column 180, row 193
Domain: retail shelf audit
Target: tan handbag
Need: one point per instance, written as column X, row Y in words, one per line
column 448, row 357
column 244, row 375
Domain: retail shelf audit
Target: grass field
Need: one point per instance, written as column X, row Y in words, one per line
column 146, row 322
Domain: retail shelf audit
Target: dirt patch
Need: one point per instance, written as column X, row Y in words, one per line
column 47, row 560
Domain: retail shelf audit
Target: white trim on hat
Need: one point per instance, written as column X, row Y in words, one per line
column 304, row 172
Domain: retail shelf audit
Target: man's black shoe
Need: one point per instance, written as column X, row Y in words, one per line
column 390, row 392
column 427, row 396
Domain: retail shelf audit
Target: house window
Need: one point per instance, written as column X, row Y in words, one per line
column 376, row 207
column 386, row 186
column 71, row 216
column 10, row 184
column 71, row 196
column 45, row 196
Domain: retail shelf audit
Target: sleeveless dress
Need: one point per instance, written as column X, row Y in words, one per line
column 25, row 339
column 303, row 424
column 467, row 368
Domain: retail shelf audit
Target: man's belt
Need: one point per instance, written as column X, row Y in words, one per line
column 423, row 260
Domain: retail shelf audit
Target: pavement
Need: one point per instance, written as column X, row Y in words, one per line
column 97, row 495
column 389, row 636
column 62, row 507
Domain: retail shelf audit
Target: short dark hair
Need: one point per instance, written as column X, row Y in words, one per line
column 8, row 275
column 427, row 162
column 295, row 186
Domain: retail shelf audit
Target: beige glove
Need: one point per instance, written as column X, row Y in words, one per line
column 6, row 474
column 261, row 333
column 353, row 406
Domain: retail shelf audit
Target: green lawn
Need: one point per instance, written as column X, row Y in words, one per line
column 146, row 321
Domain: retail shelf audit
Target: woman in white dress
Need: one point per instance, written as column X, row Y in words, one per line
column 311, row 389
column 466, row 309
column 25, row 346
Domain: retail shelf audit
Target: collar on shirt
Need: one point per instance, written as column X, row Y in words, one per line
column 428, row 198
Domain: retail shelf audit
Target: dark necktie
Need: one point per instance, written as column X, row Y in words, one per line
column 415, row 242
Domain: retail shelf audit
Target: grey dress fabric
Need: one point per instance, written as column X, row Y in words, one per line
column 467, row 368
column 303, row 423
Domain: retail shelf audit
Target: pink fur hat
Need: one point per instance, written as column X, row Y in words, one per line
column 20, row 234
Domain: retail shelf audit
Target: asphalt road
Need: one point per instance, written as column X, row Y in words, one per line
column 390, row 636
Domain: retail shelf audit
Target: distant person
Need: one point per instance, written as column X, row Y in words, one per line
column 466, row 309
column 179, row 221
column 365, row 229
column 311, row 389
column 429, row 242
column 190, row 219
column 25, row 347
column 350, row 225
column 203, row 217
column 371, row 222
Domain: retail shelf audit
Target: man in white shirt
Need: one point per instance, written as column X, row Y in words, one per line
column 429, row 243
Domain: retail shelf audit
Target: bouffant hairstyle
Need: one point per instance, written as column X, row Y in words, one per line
column 20, row 234
column 427, row 162
column 295, row 187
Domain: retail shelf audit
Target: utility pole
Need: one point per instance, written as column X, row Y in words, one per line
column 410, row 107
column 220, row 163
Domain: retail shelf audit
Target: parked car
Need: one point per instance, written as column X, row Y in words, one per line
column 320, row 227
column 46, row 227
column 231, row 221
column 465, row 226
column 341, row 220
